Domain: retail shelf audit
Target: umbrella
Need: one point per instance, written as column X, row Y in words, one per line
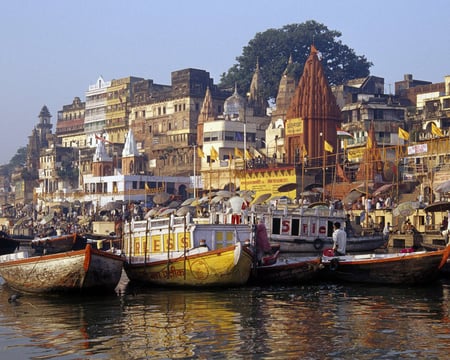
column 173, row 204
column 406, row 208
column 216, row 199
column 247, row 195
column 187, row 202
column 110, row 206
column 225, row 193
column 167, row 212
column 312, row 186
column 184, row 210
column 438, row 206
column 308, row 193
column 318, row 204
column 161, row 198
column 151, row 213
column 287, row 187
column 261, row 198
column 382, row 189
column 443, row 187
column 352, row 196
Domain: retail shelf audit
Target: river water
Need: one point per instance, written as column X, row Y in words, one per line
column 314, row 321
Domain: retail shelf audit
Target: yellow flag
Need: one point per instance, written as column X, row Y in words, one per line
column 403, row 134
column 147, row 188
column 200, row 152
column 214, row 154
column 238, row 153
column 327, row 146
column 248, row 155
column 369, row 143
column 304, row 151
column 436, row 131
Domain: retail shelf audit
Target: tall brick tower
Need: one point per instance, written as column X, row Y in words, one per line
column 313, row 115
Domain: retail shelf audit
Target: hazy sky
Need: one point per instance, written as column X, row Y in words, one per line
column 52, row 50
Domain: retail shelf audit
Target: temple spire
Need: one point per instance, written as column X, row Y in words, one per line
column 315, row 110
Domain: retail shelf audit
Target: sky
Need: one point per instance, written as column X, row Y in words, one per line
column 52, row 50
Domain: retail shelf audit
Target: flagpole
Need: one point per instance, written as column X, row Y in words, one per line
column 195, row 177
column 323, row 174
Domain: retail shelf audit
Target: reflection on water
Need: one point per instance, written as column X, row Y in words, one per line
column 308, row 322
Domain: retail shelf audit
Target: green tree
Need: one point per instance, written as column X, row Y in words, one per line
column 272, row 49
column 18, row 160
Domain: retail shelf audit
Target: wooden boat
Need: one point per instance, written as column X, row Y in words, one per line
column 287, row 270
column 103, row 242
column 173, row 251
column 7, row 244
column 310, row 230
column 445, row 270
column 392, row 268
column 57, row 244
column 82, row 270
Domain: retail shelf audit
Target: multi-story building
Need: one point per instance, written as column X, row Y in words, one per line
column 95, row 112
column 166, row 123
column 70, row 124
column 118, row 104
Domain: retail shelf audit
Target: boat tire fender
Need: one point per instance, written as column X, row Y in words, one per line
column 334, row 264
column 318, row 244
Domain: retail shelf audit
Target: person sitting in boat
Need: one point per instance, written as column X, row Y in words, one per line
column 348, row 226
column 386, row 231
column 339, row 240
column 262, row 241
column 407, row 227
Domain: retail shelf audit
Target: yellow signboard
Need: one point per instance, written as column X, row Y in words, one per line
column 355, row 154
column 269, row 182
column 294, row 126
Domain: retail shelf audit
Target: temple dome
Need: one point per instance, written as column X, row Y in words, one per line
column 234, row 105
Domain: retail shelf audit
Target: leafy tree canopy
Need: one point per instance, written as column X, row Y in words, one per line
column 17, row 161
column 272, row 49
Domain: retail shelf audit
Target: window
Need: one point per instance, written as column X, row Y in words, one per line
column 377, row 114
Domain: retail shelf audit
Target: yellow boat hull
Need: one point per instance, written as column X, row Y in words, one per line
column 228, row 266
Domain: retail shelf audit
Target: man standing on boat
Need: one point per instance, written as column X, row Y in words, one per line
column 339, row 240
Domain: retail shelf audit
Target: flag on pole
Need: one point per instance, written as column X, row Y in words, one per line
column 403, row 134
column 214, row 154
column 304, row 151
column 344, row 134
column 327, row 146
column 147, row 188
column 238, row 153
column 200, row 152
column 340, row 172
column 435, row 130
column 248, row 155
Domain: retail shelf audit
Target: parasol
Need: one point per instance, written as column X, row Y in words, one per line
column 161, row 198
column 182, row 211
column 382, row 189
column 225, row 193
column 406, row 208
column 151, row 213
column 261, row 199
column 110, row 206
column 216, row 199
column 352, row 196
column 443, row 187
column 173, row 204
column 287, row 187
column 438, row 206
column 166, row 212
column 187, row 202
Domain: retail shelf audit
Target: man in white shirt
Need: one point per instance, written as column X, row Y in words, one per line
column 339, row 240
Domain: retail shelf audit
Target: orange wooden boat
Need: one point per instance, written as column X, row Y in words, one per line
column 396, row 268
